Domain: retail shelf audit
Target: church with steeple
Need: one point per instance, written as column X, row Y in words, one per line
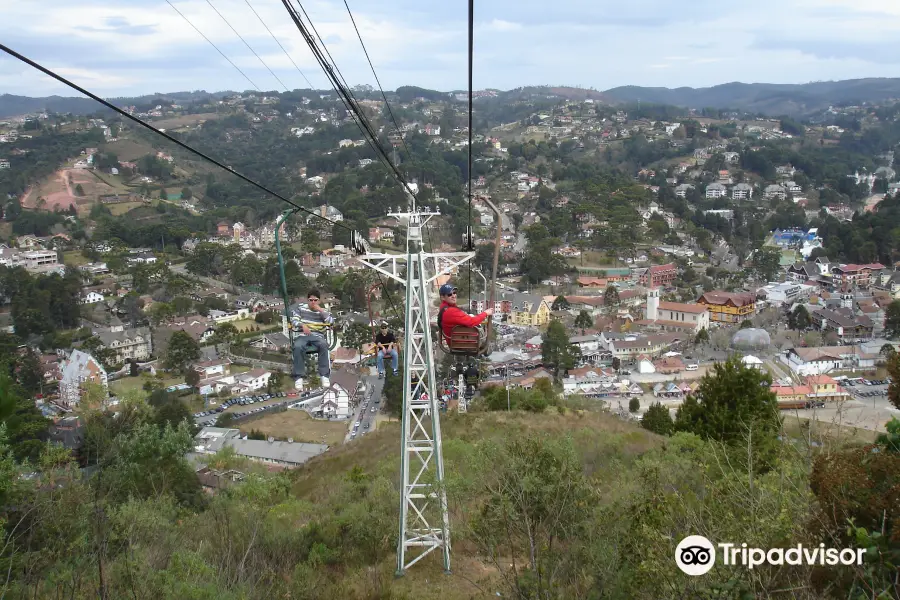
column 672, row 316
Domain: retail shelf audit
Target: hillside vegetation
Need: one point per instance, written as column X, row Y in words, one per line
column 766, row 98
column 562, row 504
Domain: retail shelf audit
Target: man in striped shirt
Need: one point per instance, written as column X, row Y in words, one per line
column 309, row 322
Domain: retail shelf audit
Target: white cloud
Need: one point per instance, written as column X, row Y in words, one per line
column 147, row 47
column 501, row 25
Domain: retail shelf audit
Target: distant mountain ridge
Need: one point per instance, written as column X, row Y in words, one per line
column 767, row 98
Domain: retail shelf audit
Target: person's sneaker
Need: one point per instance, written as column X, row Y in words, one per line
column 326, row 382
column 396, row 373
column 381, row 376
column 298, row 384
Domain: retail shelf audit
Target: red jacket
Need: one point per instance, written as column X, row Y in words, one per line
column 453, row 316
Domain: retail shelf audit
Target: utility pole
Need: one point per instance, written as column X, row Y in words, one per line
column 424, row 519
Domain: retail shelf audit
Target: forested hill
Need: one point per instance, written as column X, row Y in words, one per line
column 765, row 98
column 20, row 105
column 11, row 106
column 768, row 98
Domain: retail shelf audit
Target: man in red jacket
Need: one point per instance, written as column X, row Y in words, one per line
column 451, row 315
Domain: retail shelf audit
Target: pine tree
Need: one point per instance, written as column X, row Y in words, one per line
column 658, row 420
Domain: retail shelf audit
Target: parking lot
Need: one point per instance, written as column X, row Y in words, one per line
column 245, row 405
column 867, row 408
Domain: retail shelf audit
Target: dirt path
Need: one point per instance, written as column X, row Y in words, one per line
column 65, row 179
column 26, row 196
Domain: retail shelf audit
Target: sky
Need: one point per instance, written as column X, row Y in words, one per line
column 118, row 48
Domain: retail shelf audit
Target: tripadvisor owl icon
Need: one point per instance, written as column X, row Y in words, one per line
column 695, row 555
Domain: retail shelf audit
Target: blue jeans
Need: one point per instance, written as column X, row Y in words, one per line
column 302, row 343
column 379, row 360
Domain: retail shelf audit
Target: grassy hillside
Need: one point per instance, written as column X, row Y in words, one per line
column 561, row 504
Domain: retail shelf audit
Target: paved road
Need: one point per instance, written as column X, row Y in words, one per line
column 777, row 369
column 864, row 412
column 364, row 415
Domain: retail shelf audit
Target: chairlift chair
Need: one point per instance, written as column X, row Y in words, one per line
column 327, row 332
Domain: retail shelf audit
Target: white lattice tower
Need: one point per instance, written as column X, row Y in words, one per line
column 424, row 520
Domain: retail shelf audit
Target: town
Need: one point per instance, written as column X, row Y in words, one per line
column 650, row 257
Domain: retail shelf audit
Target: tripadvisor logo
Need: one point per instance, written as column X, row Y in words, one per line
column 696, row 555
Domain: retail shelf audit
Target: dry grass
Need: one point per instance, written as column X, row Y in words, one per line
column 603, row 441
column 118, row 210
column 184, row 120
column 593, row 432
column 826, row 433
column 298, row 425
column 129, row 150
column 74, row 258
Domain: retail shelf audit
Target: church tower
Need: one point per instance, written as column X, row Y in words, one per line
column 652, row 311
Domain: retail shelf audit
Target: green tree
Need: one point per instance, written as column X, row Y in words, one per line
column 611, row 298
column 560, row 303
column 557, row 353
column 892, row 320
column 737, row 407
column 356, row 335
column 186, row 193
column 767, row 262
column 583, row 321
column 225, row 419
column 226, row 334
column 79, row 191
column 534, row 491
column 634, row 405
column 192, row 377
column 172, row 412
column 799, row 319
column 893, row 368
column 149, row 461
column 392, row 393
column 182, row 351
column 658, row 420
column 701, row 337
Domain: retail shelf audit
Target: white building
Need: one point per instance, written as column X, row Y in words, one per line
column 716, row 190
column 742, row 191
column 211, row 440
column 340, row 396
column 778, row 294
column 128, row 344
column 92, row 298
column 79, row 368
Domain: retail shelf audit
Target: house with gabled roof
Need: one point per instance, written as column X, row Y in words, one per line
column 76, row 370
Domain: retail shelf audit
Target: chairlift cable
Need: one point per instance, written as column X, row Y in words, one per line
column 378, row 81
column 214, row 46
column 302, row 74
column 340, row 85
column 387, row 105
column 346, row 96
column 250, row 48
column 175, row 141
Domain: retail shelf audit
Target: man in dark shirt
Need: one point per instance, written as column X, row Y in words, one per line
column 386, row 344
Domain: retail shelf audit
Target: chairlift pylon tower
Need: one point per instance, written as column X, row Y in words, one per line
column 424, row 519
